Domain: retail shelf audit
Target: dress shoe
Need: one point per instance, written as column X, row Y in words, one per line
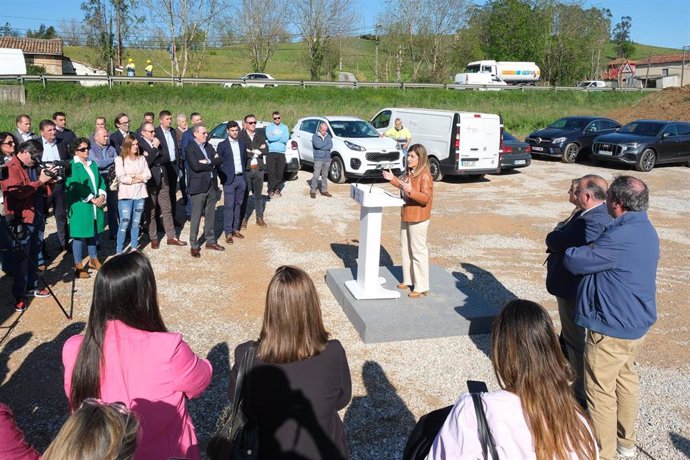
column 237, row 234
column 271, row 194
column 176, row 242
column 326, row 194
column 94, row 264
column 177, row 223
column 215, row 247
column 312, row 194
column 80, row 271
column 260, row 222
column 416, row 295
column 155, row 244
column 402, row 286
column 196, row 253
column 42, row 268
column 228, row 239
column 245, row 221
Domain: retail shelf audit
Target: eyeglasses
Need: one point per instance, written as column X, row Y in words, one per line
column 83, row 149
column 12, row 142
column 251, row 122
column 204, row 133
column 149, row 130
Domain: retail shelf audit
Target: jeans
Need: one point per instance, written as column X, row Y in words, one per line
column 25, row 276
column 130, row 214
column 78, row 248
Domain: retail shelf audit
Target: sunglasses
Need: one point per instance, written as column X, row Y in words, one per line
column 276, row 118
column 119, row 406
column 251, row 122
column 12, row 142
column 83, row 149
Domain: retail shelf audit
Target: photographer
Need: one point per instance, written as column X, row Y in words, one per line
column 25, row 190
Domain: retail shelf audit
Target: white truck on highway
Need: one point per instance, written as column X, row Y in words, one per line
column 512, row 73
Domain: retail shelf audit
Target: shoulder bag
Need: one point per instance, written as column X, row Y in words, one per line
column 485, row 437
column 236, row 436
column 111, row 180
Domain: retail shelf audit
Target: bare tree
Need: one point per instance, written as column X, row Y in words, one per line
column 262, row 24
column 187, row 23
column 320, row 23
column 70, row 32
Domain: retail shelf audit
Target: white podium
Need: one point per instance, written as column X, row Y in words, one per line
column 368, row 284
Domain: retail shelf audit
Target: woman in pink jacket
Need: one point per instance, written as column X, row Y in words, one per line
column 132, row 174
column 127, row 355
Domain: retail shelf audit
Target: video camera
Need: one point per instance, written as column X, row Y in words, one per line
column 62, row 168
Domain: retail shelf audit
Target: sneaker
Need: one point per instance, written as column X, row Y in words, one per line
column 627, row 452
column 20, row 305
column 38, row 293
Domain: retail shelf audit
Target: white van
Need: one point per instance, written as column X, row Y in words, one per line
column 458, row 143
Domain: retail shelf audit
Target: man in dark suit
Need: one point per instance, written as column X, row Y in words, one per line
column 584, row 227
column 202, row 163
column 62, row 132
column 55, row 150
column 157, row 187
column 166, row 135
column 232, row 152
column 256, row 149
column 118, row 136
column 23, row 132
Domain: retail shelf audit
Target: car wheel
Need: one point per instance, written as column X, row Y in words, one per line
column 435, row 169
column 336, row 172
column 646, row 160
column 570, row 153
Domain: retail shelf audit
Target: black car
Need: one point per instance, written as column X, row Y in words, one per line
column 514, row 152
column 645, row 143
column 570, row 137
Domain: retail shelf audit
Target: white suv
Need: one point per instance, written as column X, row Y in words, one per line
column 358, row 149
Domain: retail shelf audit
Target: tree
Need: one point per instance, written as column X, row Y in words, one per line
column 70, row 32
column 185, row 22
column 42, row 32
column 320, row 23
column 621, row 38
column 262, row 24
column 99, row 29
column 8, row 31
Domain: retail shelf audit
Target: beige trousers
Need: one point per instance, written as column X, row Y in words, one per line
column 612, row 390
column 415, row 254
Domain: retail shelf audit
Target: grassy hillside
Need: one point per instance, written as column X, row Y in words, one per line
column 641, row 51
column 521, row 111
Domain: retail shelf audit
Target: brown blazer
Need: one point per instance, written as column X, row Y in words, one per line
column 417, row 207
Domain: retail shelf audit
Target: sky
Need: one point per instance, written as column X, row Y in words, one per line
column 665, row 23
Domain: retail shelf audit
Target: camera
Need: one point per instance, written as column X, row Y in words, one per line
column 62, row 169
column 16, row 229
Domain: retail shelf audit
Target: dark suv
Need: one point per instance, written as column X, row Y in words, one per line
column 569, row 137
column 645, row 143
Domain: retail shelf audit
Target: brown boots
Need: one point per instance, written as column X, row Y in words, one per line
column 94, row 264
column 80, row 271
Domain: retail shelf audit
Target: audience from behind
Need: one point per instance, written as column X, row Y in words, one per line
column 132, row 173
column 96, row 430
column 535, row 414
column 417, row 189
column 13, row 446
column 128, row 355
column 86, row 197
column 299, row 379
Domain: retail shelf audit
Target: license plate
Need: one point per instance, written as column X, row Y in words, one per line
column 537, row 149
column 605, row 152
column 520, row 162
column 468, row 163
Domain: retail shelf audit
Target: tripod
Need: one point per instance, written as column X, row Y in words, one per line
column 15, row 236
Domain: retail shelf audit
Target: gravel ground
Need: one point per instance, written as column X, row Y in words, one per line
column 489, row 234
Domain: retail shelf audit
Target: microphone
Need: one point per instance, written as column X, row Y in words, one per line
column 377, row 168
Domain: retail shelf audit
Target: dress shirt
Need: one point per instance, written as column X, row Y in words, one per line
column 26, row 136
column 170, row 143
column 235, row 147
column 203, row 150
column 50, row 151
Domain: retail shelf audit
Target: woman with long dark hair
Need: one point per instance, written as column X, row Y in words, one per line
column 417, row 189
column 299, row 379
column 127, row 355
column 535, row 415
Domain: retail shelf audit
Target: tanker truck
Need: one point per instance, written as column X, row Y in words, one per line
column 513, row 73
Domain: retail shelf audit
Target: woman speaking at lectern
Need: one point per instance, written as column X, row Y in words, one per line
column 417, row 189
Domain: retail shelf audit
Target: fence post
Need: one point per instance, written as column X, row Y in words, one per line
column 43, row 80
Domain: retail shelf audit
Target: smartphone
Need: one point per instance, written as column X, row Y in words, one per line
column 476, row 386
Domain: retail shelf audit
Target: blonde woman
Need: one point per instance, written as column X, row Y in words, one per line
column 132, row 174
column 417, row 189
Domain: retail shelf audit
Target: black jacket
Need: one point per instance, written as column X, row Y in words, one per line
column 157, row 160
column 259, row 143
column 201, row 176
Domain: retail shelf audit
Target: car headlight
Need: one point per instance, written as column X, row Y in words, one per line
column 631, row 146
column 558, row 140
column 355, row 147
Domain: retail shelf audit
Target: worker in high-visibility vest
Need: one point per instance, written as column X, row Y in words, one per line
column 149, row 68
column 131, row 68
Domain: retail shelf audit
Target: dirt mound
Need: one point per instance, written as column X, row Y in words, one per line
column 669, row 104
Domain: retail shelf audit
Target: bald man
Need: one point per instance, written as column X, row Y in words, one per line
column 585, row 226
column 103, row 154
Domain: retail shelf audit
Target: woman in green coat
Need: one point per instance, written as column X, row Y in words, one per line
column 86, row 196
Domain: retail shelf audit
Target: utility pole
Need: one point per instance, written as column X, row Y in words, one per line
column 682, row 69
column 376, row 65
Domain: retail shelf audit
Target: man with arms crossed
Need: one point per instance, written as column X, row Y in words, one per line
column 277, row 135
column 256, row 149
column 616, row 304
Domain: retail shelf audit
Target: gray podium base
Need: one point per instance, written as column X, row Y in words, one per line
column 446, row 311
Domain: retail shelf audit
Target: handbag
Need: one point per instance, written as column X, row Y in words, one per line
column 236, row 436
column 422, row 437
column 485, row 436
column 111, row 180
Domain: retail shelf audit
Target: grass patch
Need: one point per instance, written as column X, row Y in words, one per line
column 522, row 112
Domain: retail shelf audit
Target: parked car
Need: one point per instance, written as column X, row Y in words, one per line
column 458, row 143
column 514, row 152
column 358, row 149
column 645, row 143
column 258, row 80
column 592, row 84
column 569, row 138
column 220, row 133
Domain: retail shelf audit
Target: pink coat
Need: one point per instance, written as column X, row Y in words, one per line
column 152, row 373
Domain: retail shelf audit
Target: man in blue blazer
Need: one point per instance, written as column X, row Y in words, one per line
column 584, row 227
column 202, row 165
column 232, row 151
